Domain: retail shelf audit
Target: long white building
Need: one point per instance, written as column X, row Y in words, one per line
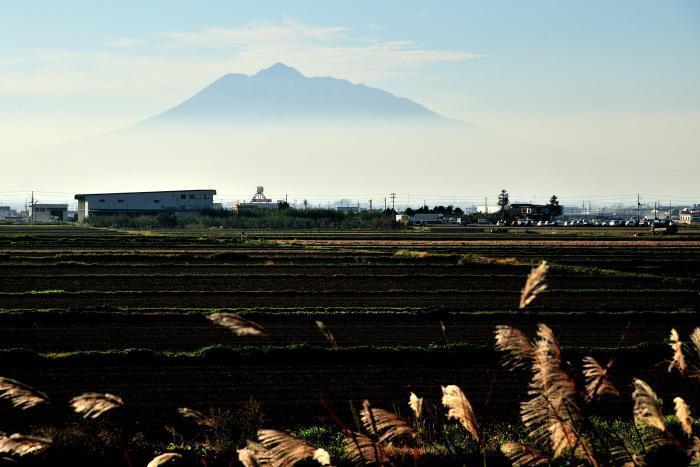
column 179, row 202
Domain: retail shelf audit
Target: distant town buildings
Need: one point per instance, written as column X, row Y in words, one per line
column 198, row 202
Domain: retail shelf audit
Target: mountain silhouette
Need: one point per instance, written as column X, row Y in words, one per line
column 281, row 92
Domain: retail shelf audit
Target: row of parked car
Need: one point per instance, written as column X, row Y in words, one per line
column 585, row 223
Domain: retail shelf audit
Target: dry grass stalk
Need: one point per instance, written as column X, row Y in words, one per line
column 386, row 425
column 553, row 414
column 21, row 445
column 683, row 415
column 416, row 405
column 597, row 382
column 239, row 326
column 443, row 328
column 286, row 450
column 169, row 458
column 694, row 451
column 520, row 350
column 678, row 360
column 361, row 449
column 460, row 409
column 547, row 345
column 695, row 361
column 247, row 457
column 322, row 457
column 93, row 404
column 695, row 339
column 197, row 417
column 534, row 285
column 623, row 453
column 647, row 406
column 555, row 422
column 327, row 334
column 524, row 456
column 20, row 395
column 254, row 455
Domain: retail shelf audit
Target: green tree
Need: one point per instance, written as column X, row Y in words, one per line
column 503, row 201
column 553, row 207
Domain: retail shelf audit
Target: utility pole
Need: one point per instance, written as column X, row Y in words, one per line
column 639, row 205
column 33, row 210
column 370, row 204
column 385, row 203
column 393, row 198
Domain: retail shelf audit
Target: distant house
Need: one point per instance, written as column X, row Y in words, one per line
column 529, row 211
column 689, row 217
column 178, row 202
column 485, row 208
column 5, row 211
column 40, row 212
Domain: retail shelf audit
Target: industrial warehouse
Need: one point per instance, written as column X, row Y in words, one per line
column 178, row 202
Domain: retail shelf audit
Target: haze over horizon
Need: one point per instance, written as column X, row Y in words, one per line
column 604, row 97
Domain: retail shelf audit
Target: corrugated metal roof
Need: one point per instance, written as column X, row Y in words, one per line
column 142, row 192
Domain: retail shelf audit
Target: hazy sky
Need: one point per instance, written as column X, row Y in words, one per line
column 614, row 78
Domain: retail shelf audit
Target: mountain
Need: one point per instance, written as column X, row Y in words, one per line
column 322, row 137
column 281, row 92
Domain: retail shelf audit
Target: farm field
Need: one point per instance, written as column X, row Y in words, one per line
column 75, row 299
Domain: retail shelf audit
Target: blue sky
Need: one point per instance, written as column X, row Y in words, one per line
column 614, row 78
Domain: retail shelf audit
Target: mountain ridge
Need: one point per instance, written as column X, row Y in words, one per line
column 282, row 92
